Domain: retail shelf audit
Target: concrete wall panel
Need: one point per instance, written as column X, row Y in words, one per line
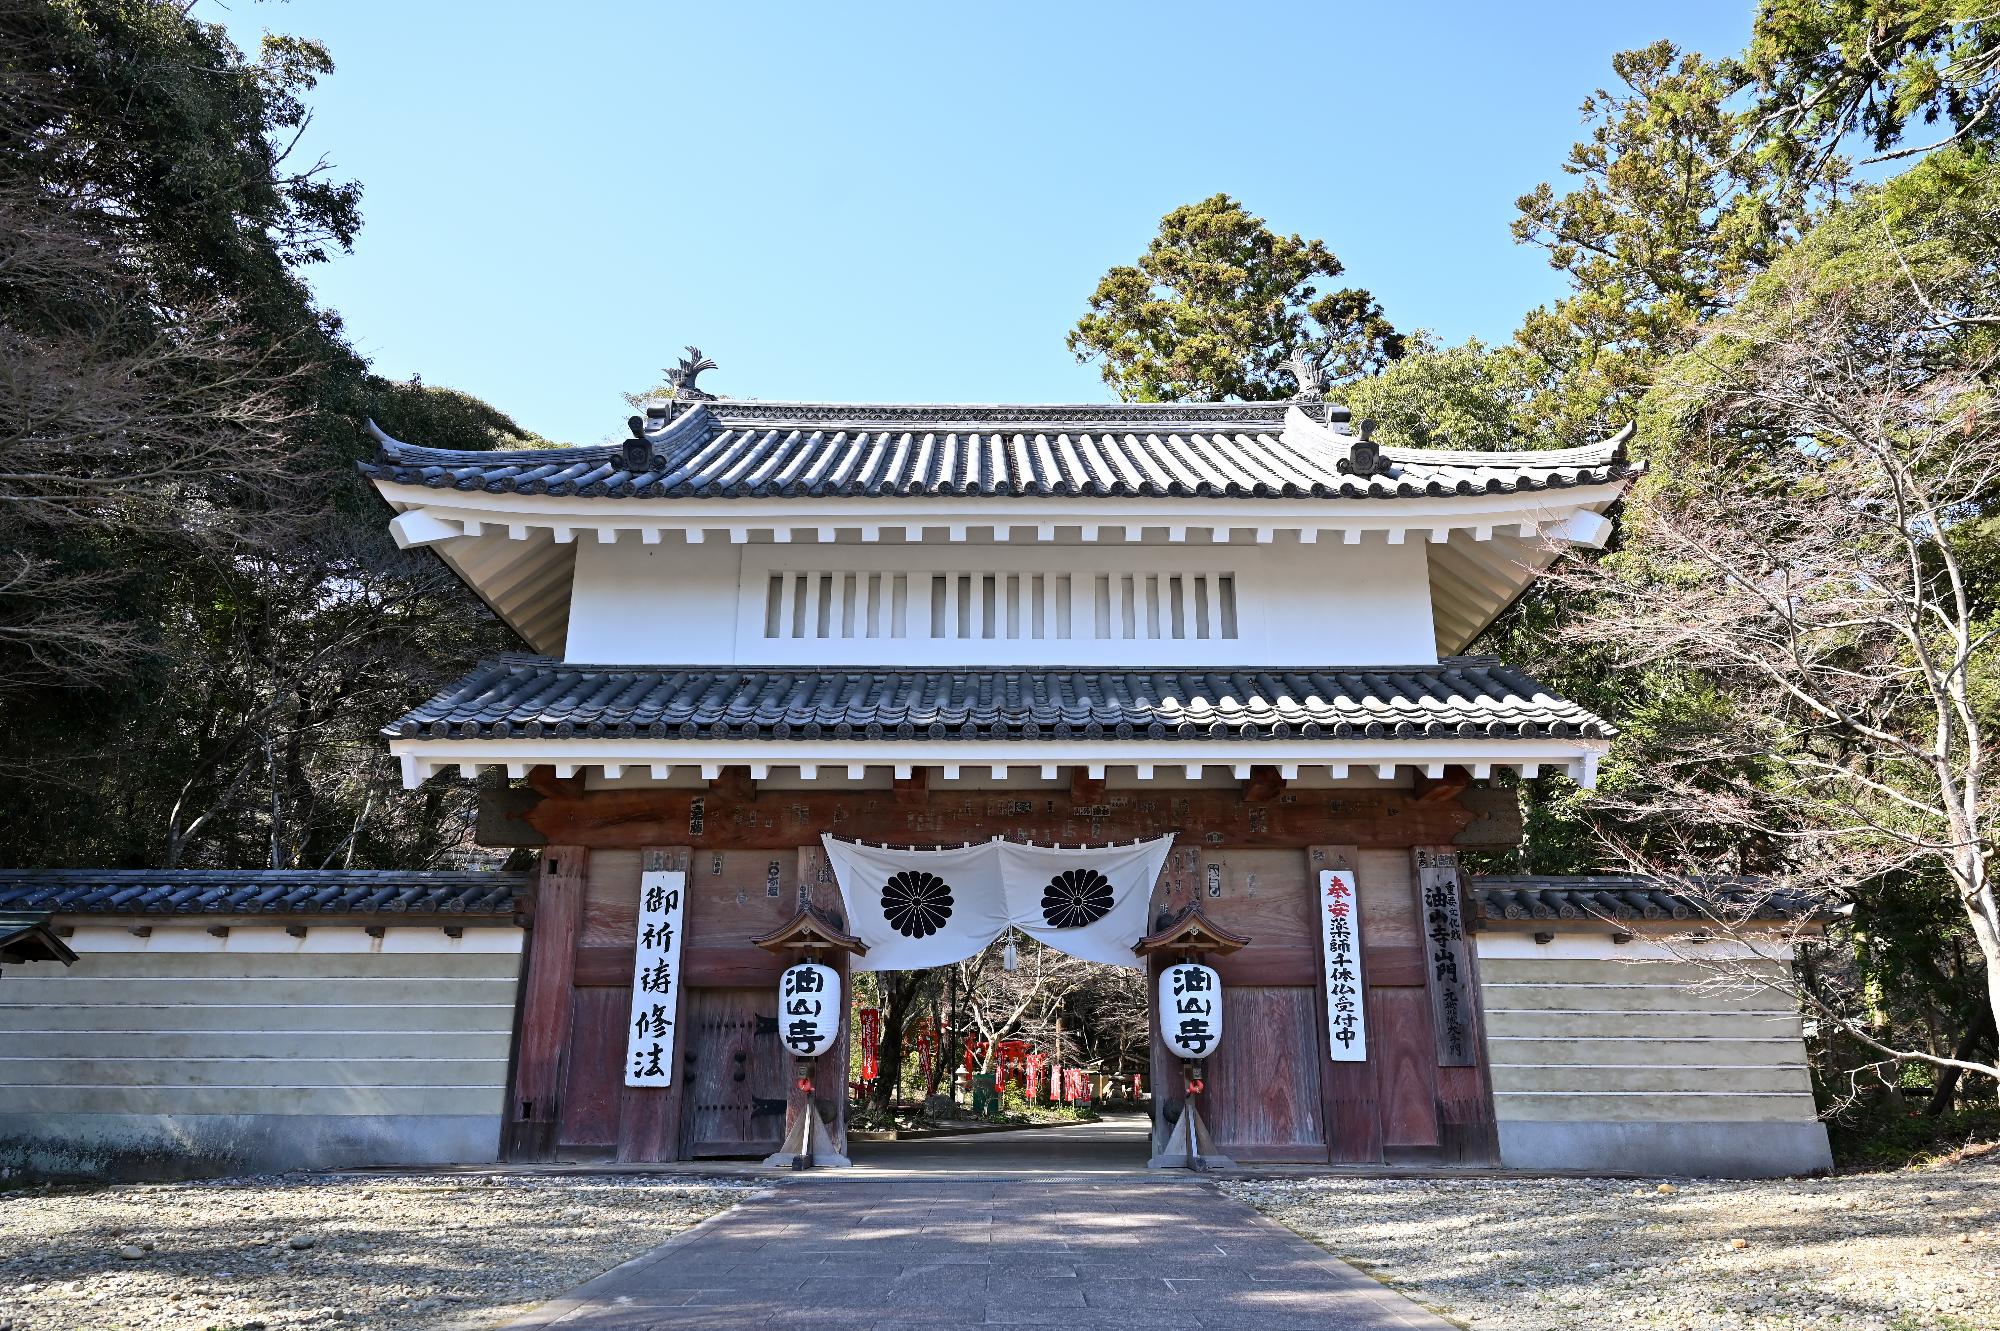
column 1616, row 1057
column 185, row 1053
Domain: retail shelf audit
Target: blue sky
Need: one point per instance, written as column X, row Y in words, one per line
column 908, row 203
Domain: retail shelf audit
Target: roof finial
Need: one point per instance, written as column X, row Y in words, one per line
column 683, row 375
column 1307, row 365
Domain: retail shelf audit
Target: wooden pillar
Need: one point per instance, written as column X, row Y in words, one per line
column 1467, row 1133
column 1350, row 1096
column 818, row 888
column 547, row 992
column 649, row 1117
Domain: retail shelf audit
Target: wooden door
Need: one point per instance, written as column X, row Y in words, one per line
column 594, row 1071
column 1262, row 1101
column 736, row 1073
column 1262, row 1096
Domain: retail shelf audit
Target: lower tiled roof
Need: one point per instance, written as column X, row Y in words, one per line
column 1620, row 897
column 538, row 697
column 25, row 936
column 258, row 892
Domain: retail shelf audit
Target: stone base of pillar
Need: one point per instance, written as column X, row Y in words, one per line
column 1189, row 1146
column 809, row 1145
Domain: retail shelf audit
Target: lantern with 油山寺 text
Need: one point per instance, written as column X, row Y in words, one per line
column 1190, row 1010
column 809, row 1008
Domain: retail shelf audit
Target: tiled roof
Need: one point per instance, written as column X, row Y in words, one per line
column 258, row 892
column 25, row 936
column 536, row 697
column 734, row 450
column 1618, row 897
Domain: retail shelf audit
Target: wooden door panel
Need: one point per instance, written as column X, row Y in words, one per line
column 1263, row 1094
column 1399, row 1041
column 735, row 895
column 594, row 1071
column 735, row 1073
column 611, row 900
column 1266, row 894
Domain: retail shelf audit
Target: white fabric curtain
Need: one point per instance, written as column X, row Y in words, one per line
column 918, row 908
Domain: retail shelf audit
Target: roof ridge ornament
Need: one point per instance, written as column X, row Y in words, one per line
column 684, row 374
column 1307, row 366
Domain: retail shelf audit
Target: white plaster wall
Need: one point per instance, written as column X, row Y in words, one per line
column 1298, row 606
column 637, row 604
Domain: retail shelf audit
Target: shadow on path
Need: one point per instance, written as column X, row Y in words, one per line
column 850, row 1250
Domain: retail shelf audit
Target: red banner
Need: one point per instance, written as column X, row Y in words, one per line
column 871, row 1043
column 926, row 1036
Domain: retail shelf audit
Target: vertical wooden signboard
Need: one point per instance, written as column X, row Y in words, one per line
column 656, row 978
column 1340, row 946
column 1350, row 1091
column 1449, row 969
column 649, row 1118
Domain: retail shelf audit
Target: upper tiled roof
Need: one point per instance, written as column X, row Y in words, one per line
column 258, row 892
column 532, row 696
column 1618, row 897
column 735, row 450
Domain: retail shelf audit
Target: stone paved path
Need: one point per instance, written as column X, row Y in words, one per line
column 917, row 1254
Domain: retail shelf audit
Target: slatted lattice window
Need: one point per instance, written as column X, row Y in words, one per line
column 1180, row 607
column 837, row 605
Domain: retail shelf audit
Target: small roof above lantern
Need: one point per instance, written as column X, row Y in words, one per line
column 813, row 932
column 1190, row 931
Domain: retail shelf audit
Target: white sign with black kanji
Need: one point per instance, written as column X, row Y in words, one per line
column 656, row 978
column 1340, row 941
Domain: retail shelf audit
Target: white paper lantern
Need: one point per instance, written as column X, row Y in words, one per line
column 1190, row 1010
column 809, row 1008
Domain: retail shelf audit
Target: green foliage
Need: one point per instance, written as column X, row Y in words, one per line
column 1216, row 304
column 265, row 623
column 1666, row 218
column 1886, row 71
column 1889, row 1135
column 1863, row 352
column 160, row 124
column 1442, row 397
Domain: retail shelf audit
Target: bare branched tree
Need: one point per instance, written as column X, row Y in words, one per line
column 121, row 423
column 1807, row 560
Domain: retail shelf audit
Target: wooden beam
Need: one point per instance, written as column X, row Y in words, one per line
column 544, row 782
column 734, row 783
column 1450, row 786
column 639, row 816
column 1085, row 788
column 1265, row 784
column 914, row 788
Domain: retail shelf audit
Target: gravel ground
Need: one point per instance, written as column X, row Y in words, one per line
column 1917, row 1250
column 378, row 1253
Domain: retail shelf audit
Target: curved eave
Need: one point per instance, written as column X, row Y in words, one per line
column 1577, row 757
column 518, row 552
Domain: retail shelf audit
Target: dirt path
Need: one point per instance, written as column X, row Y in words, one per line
column 389, row 1253
column 1917, row 1250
